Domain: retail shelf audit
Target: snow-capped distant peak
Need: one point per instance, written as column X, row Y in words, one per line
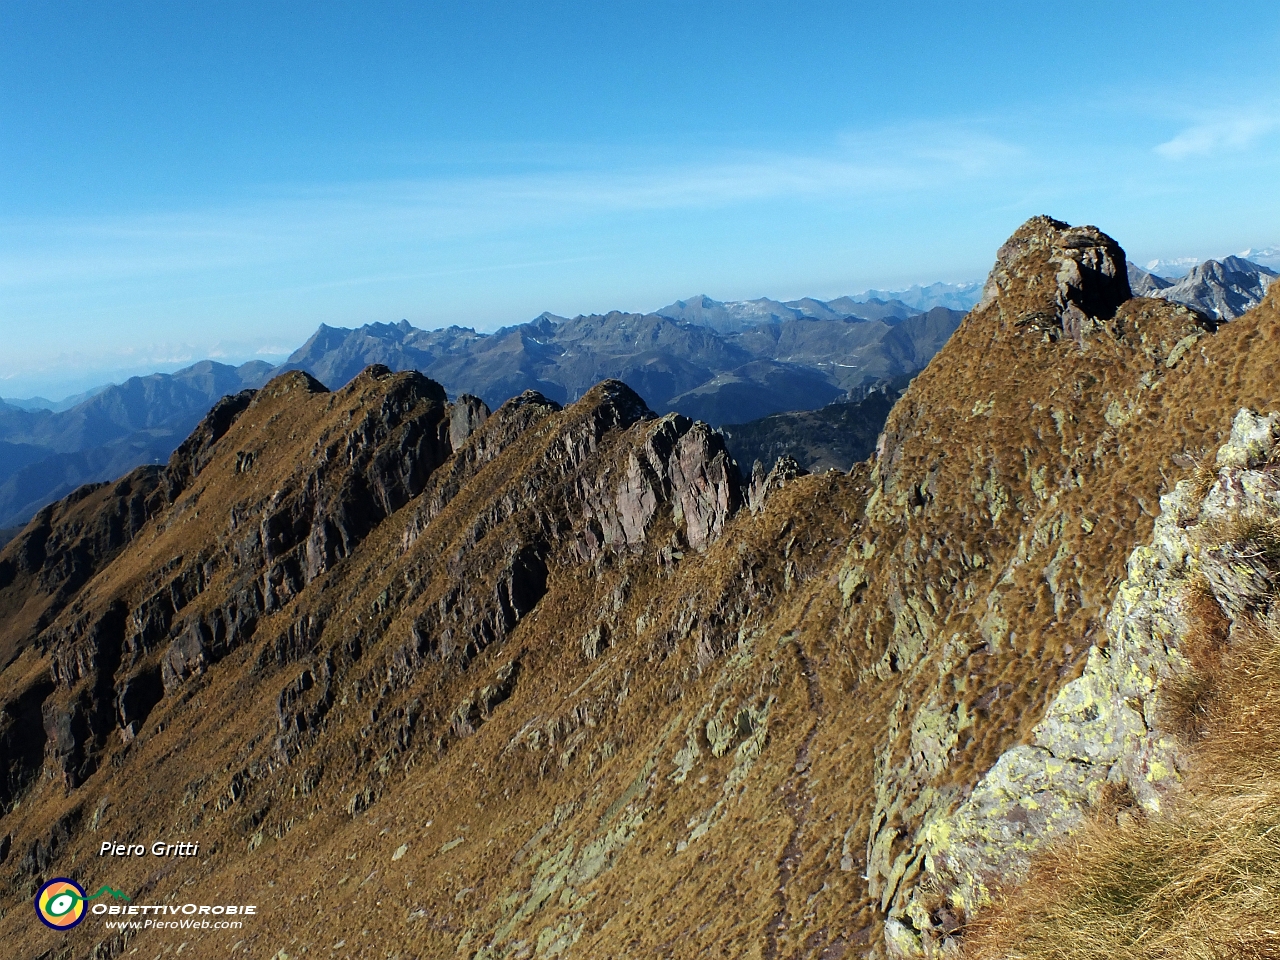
column 1267, row 256
column 957, row 296
column 1177, row 267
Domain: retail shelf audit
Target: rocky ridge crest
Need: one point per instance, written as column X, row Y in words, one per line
column 536, row 684
column 1112, row 731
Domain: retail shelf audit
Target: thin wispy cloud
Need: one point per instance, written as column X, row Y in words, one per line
column 300, row 224
column 1226, row 135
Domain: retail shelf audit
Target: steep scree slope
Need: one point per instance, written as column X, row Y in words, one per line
column 426, row 683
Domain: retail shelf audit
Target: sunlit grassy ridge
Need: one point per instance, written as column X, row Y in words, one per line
column 726, row 752
column 1201, row 880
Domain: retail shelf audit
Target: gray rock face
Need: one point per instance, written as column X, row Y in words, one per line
column 464, row 417
column 1106, row 728
column 475, row 709
column 1221, row 289
column 302, row 705
column 135, row 696
column 705, row 486
column 1087, row 280
column 677, row 463
column 670, row 467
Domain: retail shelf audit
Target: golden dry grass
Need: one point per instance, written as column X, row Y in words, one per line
column 1199, row 881
column 1000, row 406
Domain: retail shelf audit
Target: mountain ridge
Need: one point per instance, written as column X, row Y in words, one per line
column 797, row 363
column 562, row 356
column 562, row 681
column 1222, row 289
column 735, row 316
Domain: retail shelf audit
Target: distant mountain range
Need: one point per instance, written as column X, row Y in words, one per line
column 955, row 296
column 1266, row 256
column 783, row 364
column 725, row 362
column 56, row 406
column 735, row 316
column 1173, row 268
column 712, row 361
column 45, row 454
column 1221, row 289
column 1180, row 266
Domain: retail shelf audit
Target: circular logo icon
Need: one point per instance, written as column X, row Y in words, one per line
column 60, row 903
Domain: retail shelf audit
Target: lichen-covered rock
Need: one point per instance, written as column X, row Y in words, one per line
column 1058, row 278
column 763, row 484
column 1107, row 726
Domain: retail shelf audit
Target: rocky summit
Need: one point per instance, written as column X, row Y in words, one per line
column 423, row 679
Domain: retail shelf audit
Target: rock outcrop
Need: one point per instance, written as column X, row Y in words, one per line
column 557, row 681
column 1058, row 278
column 763, row 484
column 1114, row 728
column 679, row 464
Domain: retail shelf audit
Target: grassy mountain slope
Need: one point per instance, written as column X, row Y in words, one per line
column 544, row 685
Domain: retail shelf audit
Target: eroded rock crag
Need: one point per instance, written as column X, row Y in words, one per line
column 533, row 682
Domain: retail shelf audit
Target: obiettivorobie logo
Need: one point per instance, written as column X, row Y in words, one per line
column 60, row 904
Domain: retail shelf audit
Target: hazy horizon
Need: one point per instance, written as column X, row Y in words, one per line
column 55, row 389
column 183, row 184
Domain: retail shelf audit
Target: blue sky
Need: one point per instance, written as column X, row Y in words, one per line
column 189, row 180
